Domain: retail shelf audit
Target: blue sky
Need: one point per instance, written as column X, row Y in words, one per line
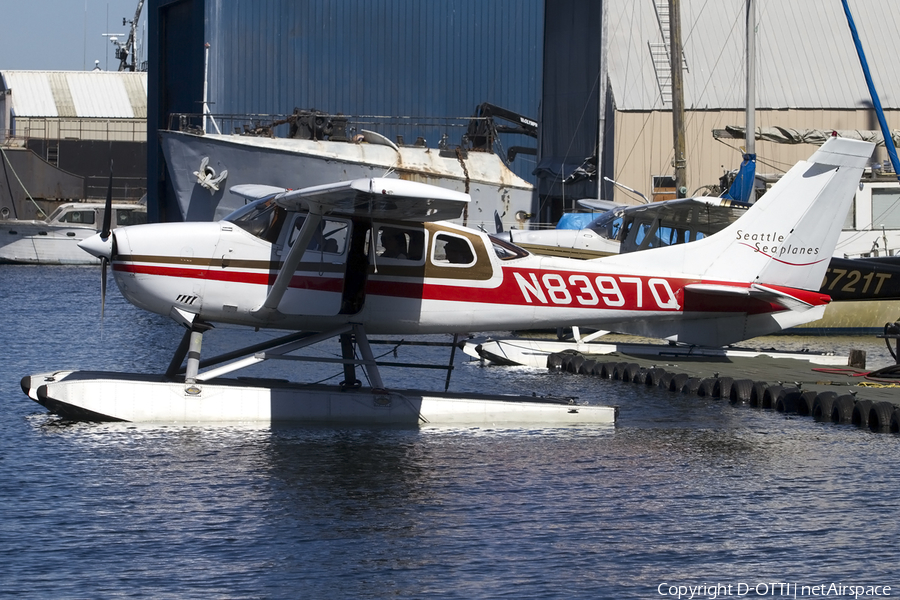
column 64, row 35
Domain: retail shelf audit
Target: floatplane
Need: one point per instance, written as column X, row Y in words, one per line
column 376, row 256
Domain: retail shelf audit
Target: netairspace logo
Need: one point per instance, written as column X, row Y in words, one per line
column 712, row 591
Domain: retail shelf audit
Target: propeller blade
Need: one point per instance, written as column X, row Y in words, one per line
column 103, row 262
column 107, row 213
column 105, row 234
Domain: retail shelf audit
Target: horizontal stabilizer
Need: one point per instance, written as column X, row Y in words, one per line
column 376, row 197
column 718, row 289
column 755, row 290
column 778, row 297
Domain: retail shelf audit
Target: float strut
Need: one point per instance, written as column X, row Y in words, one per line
column 368, row 358
column 193, row 353
column 350, row 381
column 180, row 353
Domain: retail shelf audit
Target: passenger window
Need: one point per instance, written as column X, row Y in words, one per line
column 400, row 243
column 82, row 217
column 452, row 250
column 130, row 217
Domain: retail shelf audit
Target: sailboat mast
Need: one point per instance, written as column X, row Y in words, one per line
column 751, row 77
column 601, row 98
column 750, row 129
column 677, row 99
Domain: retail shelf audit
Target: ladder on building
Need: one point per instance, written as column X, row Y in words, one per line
column 659, row 52
column 53, row 153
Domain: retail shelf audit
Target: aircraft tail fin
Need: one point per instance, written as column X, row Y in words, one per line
column 788, row 237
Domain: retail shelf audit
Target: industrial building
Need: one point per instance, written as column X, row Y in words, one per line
column 540, row 58
column 59, row 130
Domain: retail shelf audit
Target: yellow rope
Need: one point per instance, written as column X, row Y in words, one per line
column 873, row 384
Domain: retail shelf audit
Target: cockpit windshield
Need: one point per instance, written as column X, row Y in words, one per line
column 262, row 218
column 609, row 224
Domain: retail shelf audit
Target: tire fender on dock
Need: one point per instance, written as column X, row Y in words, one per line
column 770, row 396
column 722, row 389
column 842, row 410
column 757, row 392
column 707, row 386
column 860, row 414
column 880, row 416
column 788, row 400
column 822, row 406
column 741, row 390
column 691, row 386
column 678, row 381
column 806, row 402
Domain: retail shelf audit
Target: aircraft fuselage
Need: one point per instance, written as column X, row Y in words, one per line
column 222, row 272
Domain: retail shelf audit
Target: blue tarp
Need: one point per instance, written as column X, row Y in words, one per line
column 575, row 220
column 743, row 183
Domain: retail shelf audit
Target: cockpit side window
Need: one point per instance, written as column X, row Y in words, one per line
column 82, row 217
column 506, row 251
column 452, row 250
column 330, row 237
column 262, row 218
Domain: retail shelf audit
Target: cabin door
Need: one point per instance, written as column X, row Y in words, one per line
column 317, row 286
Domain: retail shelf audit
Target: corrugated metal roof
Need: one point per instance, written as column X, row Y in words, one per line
column 73, row 94
column 805, row 54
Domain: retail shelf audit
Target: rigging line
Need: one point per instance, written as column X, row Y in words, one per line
column 759, row 161
column 634, row 142
column 572, row 139
column 692, row 115
column 9, row 187
column 2, row 151
column 625, row 84
column 780, row 166
column 583, row 111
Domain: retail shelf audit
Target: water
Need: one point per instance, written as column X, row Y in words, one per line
column 683, row 491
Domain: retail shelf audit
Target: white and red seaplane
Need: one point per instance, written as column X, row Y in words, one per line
column 372, row 256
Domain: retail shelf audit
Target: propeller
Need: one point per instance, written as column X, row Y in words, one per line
column 103, row 244
column 105, row 236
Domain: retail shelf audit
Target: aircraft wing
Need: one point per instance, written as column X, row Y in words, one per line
column 599, row 205
column 376, row 197
column 257, row 191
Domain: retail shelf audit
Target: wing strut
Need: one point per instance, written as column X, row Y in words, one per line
column 269, row 309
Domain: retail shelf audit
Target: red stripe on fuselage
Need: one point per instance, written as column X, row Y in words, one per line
column 328, row 284
column 520, row 287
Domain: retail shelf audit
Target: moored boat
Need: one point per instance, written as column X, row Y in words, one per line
column 54, row 240
column 320, row 148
